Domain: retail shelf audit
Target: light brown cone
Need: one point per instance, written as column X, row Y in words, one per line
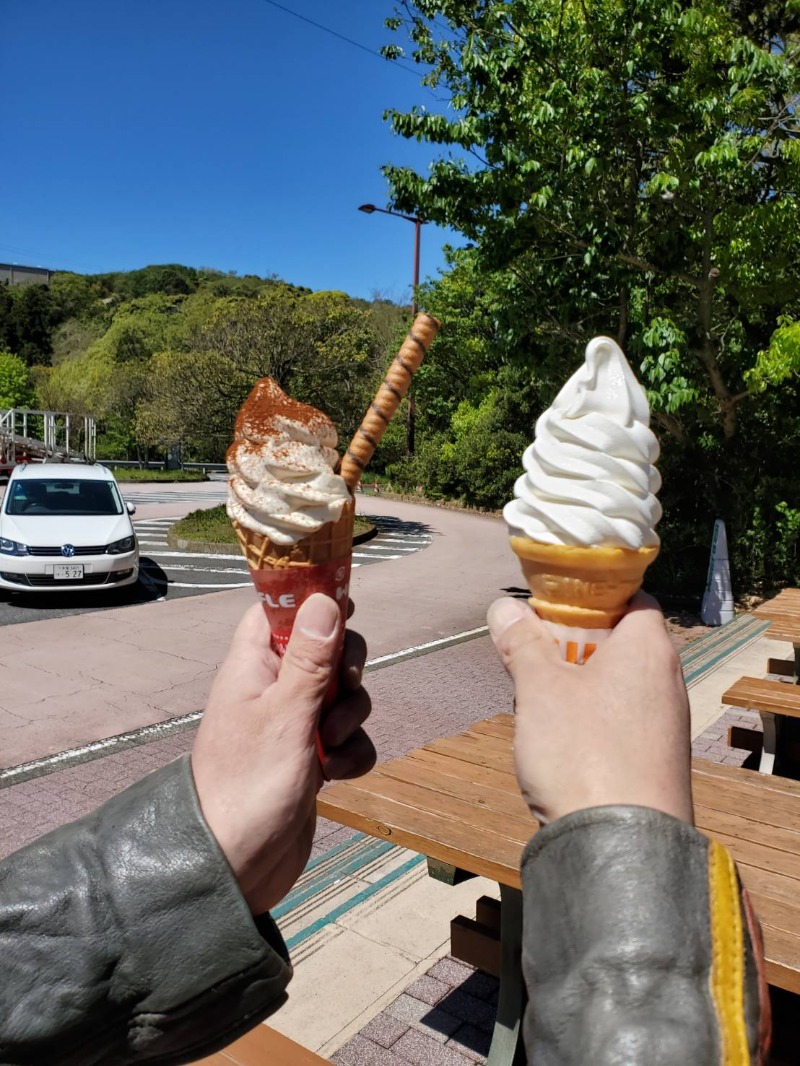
column 587, row 588
column 333, row 541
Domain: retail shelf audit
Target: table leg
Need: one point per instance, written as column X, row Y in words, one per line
column 770, row 724
column 507, row 1048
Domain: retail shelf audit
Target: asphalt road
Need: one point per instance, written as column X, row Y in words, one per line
column 166, row 573
column 90, row 706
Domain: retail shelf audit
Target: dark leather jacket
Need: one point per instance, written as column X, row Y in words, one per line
column 124, row 939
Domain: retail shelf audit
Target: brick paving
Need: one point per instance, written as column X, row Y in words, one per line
column 443, row 1019
column 413, row 703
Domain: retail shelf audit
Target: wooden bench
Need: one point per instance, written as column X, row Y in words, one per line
column 264, row 1046
column 773, row 700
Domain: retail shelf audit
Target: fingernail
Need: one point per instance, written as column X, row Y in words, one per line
column 318, row 617
column 504, row 613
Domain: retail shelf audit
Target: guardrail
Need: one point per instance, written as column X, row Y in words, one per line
column 135, row 464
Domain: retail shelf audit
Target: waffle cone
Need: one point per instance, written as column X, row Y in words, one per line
column 583, row 588
column 332, row 541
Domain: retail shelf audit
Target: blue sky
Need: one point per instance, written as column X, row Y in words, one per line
column 227, row 134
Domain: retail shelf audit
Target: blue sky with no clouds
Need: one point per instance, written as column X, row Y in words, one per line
column 227, row 134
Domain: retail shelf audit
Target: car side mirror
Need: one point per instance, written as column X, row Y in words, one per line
column 130, row 507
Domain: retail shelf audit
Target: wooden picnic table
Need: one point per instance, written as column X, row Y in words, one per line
column 456, row 800
column 783, row 611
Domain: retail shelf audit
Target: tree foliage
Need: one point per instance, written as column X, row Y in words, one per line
column 631, row 167
column 16, row 387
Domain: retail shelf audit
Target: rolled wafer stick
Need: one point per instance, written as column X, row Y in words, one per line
column 388, row 397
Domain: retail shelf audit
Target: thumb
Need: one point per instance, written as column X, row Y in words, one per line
column 311, row 658
column 525, row 647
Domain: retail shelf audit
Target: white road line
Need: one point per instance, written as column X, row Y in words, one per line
column 161, row 729
column 200, row 585
column 199, row 555
column 76, row 754
column 442, row 642
column 203, row 569
column 387, row 548
column 363, row 555
column 384, row 538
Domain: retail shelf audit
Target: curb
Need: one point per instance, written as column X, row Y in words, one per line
column 233, row 549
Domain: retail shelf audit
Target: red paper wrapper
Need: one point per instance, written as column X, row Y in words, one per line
column 282, row 591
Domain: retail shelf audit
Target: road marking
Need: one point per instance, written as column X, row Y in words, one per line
column 198, row 570
column 370, row 555
column 199, row 555
column 147, row 734
column 425, row 649
column 200, row 585
column 86, row 753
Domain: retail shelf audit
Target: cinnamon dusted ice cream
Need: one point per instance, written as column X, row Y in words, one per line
column 282, row 483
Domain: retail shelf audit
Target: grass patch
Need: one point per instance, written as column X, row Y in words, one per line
column 214, row 526
column 134, row 474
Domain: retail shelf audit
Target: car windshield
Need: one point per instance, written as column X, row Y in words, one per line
column 62, row 496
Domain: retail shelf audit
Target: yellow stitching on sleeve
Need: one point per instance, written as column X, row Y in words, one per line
column 727, row 952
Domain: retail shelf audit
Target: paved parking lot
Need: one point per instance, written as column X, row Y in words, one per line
column 167, row 572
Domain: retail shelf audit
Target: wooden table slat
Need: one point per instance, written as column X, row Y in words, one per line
column 777, row 811
column 749, row 783
column 516, row 825
column 744, row 827
column 482, row 797
column 502, row 780
column 485, row 854
column 456, row 800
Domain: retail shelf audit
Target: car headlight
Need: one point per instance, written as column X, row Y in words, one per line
column 12, row 547
column 127, row 544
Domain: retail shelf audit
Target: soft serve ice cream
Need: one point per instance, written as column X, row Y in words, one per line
column 282, row 483
column 292, row 513
column 584, row 514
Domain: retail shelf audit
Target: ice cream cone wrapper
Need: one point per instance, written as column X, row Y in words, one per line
column 286, row 575
column 581, row 593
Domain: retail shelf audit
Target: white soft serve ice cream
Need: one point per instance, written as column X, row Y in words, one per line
column 282, row 482
column 589, row 478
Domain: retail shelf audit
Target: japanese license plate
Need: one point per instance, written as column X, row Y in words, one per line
column 67, row 571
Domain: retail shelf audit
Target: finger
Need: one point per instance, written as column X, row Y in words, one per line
column 310, row 659
column 643, row 620
column 352, row 759
column 523, row 643
column 250, row 663
column 353, row 659
column 344, row 719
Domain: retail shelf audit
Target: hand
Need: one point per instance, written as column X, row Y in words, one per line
column 613, row 731
column 255, row 759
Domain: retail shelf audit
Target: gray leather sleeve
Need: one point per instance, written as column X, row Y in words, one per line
column 124, row 938
column 617, row 945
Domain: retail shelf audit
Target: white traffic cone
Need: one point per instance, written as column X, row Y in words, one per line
column 717, row 606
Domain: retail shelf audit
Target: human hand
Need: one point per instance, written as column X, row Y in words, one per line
column 255, row 759
column 613, row 731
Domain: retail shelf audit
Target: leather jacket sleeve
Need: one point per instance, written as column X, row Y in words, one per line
column 124, row 938
column 639, row 946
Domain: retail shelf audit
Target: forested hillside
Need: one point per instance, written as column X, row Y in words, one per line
column 164, row 356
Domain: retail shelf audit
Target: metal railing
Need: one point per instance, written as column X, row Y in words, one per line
column 46, row 434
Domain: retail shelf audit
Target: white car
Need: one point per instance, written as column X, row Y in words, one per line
column 65, row 527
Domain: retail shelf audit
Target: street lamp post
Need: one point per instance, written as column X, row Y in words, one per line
column 369, row 209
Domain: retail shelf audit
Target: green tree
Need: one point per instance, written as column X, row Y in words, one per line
column 16, row 387
column 33, row 323
column 631, row 167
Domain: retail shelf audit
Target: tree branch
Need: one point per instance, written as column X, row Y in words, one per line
column 671, row 424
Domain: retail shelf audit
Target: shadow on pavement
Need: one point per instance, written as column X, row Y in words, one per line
column 31, row 606
column 387, row 524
